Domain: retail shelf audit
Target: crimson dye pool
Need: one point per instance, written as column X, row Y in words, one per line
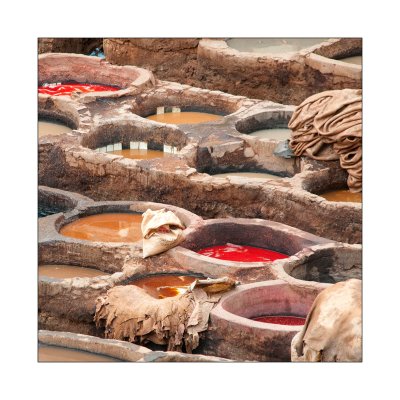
column 281, row 320
column 66, row 89
column 239, row 253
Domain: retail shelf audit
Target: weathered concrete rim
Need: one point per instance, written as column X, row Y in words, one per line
column 67, row 66
column 221, row 312
column 311, row 180
column 283, row 271
column 221, row 46
column 335, row 67
column 263, row 115
column 133, row 128
column 172, row 94
column 65, row 110
column 118, row 349
column 75, row 199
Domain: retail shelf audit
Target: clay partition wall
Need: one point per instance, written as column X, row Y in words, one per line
column 287, row 78
column 59, row 199
column 67, row 163
column 321, row 264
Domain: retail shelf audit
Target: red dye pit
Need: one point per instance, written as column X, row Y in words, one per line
column 281, row 320
column 238, row 253
column 66, row 89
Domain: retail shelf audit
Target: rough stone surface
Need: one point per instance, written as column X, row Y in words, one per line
column 212, row 64
column 67, row 163
column 68, row 45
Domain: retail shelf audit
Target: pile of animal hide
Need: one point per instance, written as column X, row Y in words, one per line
column 161, row 231
column 130, row 313
column 333, row 328
column 327, row 126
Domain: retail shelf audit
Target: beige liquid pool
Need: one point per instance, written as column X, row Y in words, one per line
column 52, row 128
column 273, row 45
column 62, row 271
column 184, row 117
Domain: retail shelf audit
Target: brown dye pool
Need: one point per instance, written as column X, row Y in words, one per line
column 275, row 133
column 281, row 320
column 184, row 117
column 353, row 60
column 61, row 271
column 342, row 195
column 161, row 286
column 52, row 128
column 140, row 154
column 272, row 45
column 49, row 353
column 251, row 175
column 107, row 227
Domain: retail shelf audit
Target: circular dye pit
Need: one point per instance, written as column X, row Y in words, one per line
column 48, row 353
column 250, row 175
column 342, row 195
column 136, row 154
column 52, row 128
column 239, row 253
column 184, row 117
column 273, row 45
column 66, row 89
column 61, row 271
column 107, row 227
column 281, row 320
column 161, row 286
column 353, row 60
column 275, row 133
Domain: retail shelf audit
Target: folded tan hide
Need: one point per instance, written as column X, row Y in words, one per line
column 129, row 313
column 161, row 231
column 332, row 331
column 327, row 126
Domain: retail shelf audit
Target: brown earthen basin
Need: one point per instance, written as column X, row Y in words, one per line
column 105, row 227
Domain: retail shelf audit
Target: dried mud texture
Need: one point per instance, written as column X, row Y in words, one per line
column 164, row 57
column 68, row 45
